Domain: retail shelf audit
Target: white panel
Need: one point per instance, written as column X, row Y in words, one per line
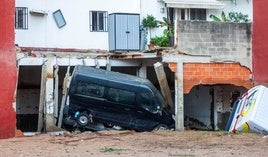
column 121, row 29
column 133, row 36
column 251, row 112
column 111, row 31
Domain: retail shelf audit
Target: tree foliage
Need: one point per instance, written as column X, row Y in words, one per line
column 232, row 17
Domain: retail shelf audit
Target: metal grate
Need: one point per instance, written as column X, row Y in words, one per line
column 98, row 21
column 21, row 18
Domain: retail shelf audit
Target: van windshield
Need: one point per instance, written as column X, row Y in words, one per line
column 161, row 100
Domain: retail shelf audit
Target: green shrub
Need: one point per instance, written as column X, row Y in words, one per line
column 162, row 41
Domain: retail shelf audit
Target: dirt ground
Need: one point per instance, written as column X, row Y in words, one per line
column 141, row 144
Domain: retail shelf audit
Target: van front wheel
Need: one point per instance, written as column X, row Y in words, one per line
column 108, row 125
column 161, row 127
column 83, row 119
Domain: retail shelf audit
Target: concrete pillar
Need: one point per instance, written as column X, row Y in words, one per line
column 179, row 110
column 176, row 31
column 49, row 110
column 42, row 98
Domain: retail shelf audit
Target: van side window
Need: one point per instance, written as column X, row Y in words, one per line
column 121, row 96
column 147, row 103
column 90, row 89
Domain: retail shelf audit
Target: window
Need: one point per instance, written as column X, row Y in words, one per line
column 21, row 18
column 183, row 16
column 58, row 17
column 147, row 102
column 98, row 21
column 121, row 96
column 198, row 14
column 90, row 89
column 193, row 14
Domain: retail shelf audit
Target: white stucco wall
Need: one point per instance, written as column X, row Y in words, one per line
column 43, row 32
column 243, row 6
column 158, row 10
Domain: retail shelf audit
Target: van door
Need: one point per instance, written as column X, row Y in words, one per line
column 146, row 116
column 118, row 107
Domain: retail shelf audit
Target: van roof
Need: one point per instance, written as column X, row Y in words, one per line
column 112, row 76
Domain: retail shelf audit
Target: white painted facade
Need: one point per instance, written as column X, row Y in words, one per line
column 243, row 6
column 43, row 32
column 158, row 10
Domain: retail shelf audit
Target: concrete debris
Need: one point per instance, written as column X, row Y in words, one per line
column 58, row 133
column 87, row 53
column 30, row 134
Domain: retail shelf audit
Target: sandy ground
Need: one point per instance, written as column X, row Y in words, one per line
column 141, row 144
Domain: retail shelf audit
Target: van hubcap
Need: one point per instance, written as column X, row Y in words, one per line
column 83, row 120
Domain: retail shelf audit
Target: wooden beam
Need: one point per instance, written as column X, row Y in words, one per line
column 165, row 90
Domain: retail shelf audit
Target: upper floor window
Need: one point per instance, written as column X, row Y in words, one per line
column 58, row 17
column 98, row 21
column 198, row 14
column 193, row 14
column 21, row 18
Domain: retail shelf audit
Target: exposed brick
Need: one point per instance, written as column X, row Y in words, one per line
column 173, row 67
column 214, row 73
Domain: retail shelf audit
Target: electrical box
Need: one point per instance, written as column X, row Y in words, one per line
column 124, row 32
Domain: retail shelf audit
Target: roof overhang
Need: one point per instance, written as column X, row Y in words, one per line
column 198, row 4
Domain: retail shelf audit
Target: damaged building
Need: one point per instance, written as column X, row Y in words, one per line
column 206, row 76
column 219, row 50
column 41, row 80
column 207, row 69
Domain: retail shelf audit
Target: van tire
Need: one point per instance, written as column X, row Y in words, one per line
column 83, row 119
column 161, row 127
column 108, row 125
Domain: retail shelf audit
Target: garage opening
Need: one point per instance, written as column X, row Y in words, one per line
column 27, row 99
column 207, row 107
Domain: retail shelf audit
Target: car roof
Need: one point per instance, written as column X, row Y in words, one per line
column 112, row 76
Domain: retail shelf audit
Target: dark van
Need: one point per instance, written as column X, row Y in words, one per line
column 98, row 96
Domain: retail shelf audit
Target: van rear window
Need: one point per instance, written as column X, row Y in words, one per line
column 90, row 89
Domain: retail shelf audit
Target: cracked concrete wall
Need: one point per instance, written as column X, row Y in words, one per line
column 224, row 42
